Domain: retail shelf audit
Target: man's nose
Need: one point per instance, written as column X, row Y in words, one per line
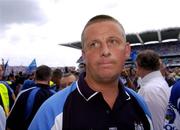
column 105, row 51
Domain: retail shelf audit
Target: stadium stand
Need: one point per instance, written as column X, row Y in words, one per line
column 166, row 42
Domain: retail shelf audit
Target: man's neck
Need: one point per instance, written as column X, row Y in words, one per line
column 145, row 72
column 42, row 82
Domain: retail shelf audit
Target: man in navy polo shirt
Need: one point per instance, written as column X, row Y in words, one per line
column 98, row 100
column 29, row 100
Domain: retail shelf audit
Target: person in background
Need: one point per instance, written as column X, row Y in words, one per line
column 126, row 79
column 67, row 79
column 56, row 79
column 7, row 96
column 81, row 66
column 164, row 71
column 18, row 83
column 10, row 79
column 29, row 82
column 98, row 100
column 28, row 101
column 154, row 87
column 172, row 118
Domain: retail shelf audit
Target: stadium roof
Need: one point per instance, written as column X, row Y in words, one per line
column 143, row 37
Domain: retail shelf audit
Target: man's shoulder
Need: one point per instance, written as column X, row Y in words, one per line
column 58, row 99
column 64, row 92
column 26, row 91
column 135, row 95
column 5, row 84
column 52, row 108
column 139, row 100
column 132, row 92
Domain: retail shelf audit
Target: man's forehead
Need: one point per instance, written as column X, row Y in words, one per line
column 112, row 24
column 104, row 22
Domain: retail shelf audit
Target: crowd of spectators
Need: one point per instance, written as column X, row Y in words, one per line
column 164, row 49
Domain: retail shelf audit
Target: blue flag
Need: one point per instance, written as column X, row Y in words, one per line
column 6, row 64
column 5, row 68
column 32, row 66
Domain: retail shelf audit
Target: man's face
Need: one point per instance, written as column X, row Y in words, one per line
column 139, row 70
column 105, row 50
column 66, row 81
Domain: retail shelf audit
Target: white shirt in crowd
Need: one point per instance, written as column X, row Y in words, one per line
column 156, row 92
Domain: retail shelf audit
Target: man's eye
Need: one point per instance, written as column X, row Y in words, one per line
column 94, row 44
column 113, row 42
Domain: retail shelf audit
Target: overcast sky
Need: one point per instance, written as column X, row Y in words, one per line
column 33, row 28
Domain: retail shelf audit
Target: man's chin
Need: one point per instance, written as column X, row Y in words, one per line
column 108, row 77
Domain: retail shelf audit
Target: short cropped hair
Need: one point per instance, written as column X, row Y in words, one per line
column 149, row 60
column 97, row 19
column 57, row 73
column 43, row 73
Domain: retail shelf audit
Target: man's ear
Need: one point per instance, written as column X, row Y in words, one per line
column 83, row 55
column 127, row 50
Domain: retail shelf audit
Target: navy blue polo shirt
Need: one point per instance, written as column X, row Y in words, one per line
column 16, row 120
column 85, row 108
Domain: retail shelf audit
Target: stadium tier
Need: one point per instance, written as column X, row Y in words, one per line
column 166, row 42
